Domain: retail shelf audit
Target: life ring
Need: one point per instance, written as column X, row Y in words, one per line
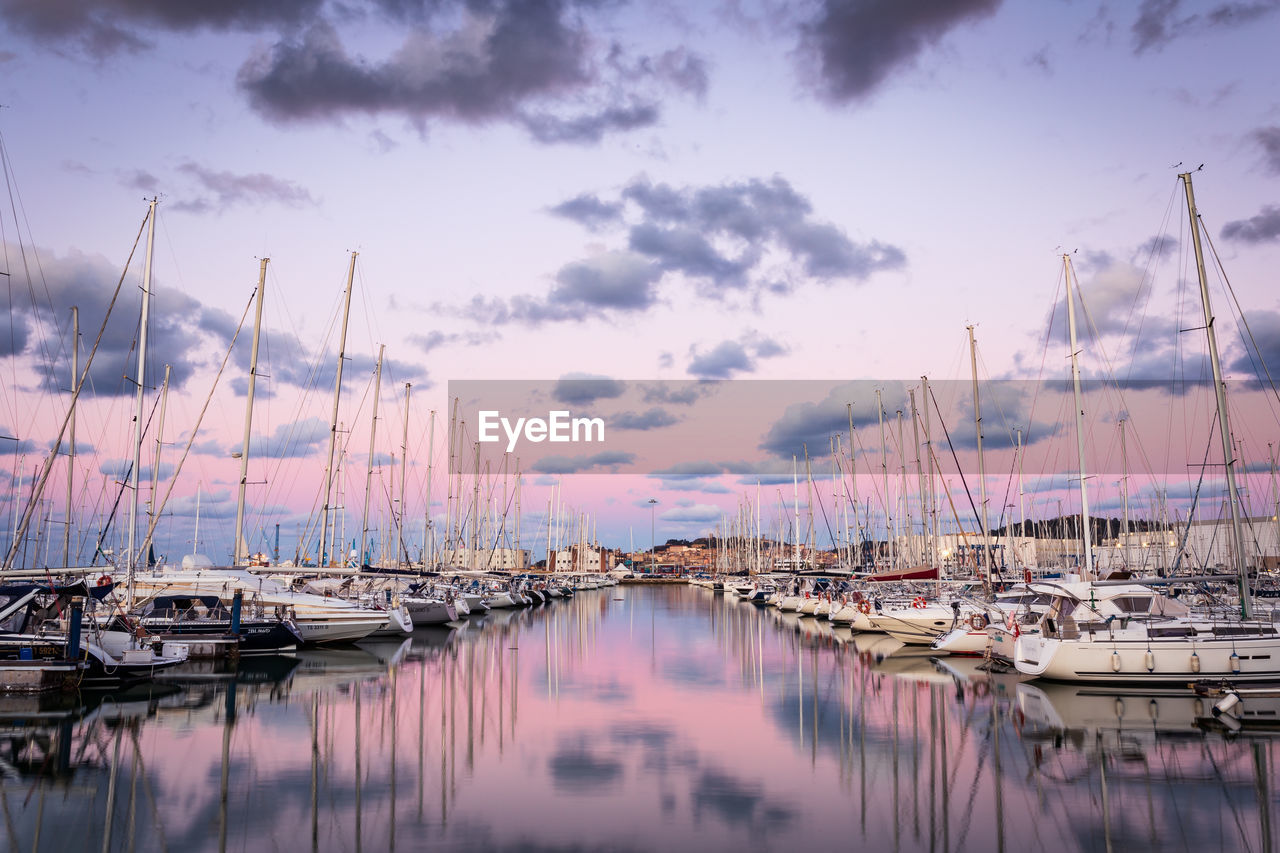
column 864, row 607
column 104, row 580
column 919, row 602
column 978, row 622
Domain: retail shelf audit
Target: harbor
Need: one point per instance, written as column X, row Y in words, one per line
column 554, row 426
column 630, row 717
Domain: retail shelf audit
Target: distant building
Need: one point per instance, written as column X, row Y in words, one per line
column 486, row 559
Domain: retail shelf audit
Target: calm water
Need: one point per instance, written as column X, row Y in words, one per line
column 629, row 719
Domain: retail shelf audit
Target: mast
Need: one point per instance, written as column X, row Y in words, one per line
column 239, row 557
column 330, row 473
column 884, row 475
column 71, row 435
column 915, row 437
column 1220, row 387
column 932, row 493
column 152, row 509
column 853, row 486
column 905, row 516
column 404, row 471
column 1075, row 382
column 1124, row 464
column 131, row 560
column 195, row 539
column 982, row 469
column 373, row 434
column 795, row 538
column 428, row 541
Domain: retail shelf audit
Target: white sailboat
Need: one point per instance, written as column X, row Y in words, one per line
column 1122, row 632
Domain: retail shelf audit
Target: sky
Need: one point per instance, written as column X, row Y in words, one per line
column 677, row 194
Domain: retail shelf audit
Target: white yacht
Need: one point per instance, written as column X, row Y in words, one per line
column 319, row 618
column 1128, row 633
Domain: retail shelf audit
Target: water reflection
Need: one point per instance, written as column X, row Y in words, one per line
column 629, row 719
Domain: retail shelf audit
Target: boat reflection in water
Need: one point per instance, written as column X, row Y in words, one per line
column 629, row 719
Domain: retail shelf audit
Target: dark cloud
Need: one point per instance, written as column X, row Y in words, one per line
column 620, row 282
column 729, row 357
column 230, row 189
column 854, row 47
column 436, row 338
column 183, row 333
column 616, row 280
column 581, row 389
column 811, row 424
column 1161, row 21
column 106, row 27
column 590, row 128
column 653, row 418
column 1265, row 326
column 10, row 445
column 719, row 235
column 1260, row 228
column 1158, row 246
column 677, row 392
column 731, row 238
column 1269, row 139
column 532, row 62
column 16, row 341
column 692, row 484
column 722, row 361
column 580, row 464
column 589, row 210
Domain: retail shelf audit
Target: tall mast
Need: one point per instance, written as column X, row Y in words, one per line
column 1220, row 387
column 1275, row 495
column 982, row 468
column 475, row 512
column 71, row 435
column 152, row 509
column 924, row 522
column 884, row 475
column 1075, row 383
column 404, row 471
column 373, row 434
column 853, row 485
column 932, row 493
column 795, row 539
column 239, row 556
column 195, row 539
column 330, row 472
column 905, row 515
column 1124, row 464
column 428, row 541
column 132, row 558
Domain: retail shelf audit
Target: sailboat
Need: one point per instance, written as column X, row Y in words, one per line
column 1127, row 632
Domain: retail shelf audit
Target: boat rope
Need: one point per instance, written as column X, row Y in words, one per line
column 158, row 511
column 37, row 492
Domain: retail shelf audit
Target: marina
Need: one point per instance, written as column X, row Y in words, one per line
column 554, row 426
column 629, row 718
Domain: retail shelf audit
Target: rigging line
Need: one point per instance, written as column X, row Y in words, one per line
column 21, row 531
column 977, row 516
column 1240, row 313
column 195, row 430
column 124, row 485
column 1157, row 251
column 1111, row 376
